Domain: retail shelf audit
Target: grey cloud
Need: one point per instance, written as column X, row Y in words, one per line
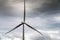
column 54, row 26
column 46, row 8
column 37, row 37
column 6, row 9
column 39, row 7
column 50, row 5
column 46, row 37
column 3, row 7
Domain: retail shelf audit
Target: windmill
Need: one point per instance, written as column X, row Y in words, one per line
column 24, row 23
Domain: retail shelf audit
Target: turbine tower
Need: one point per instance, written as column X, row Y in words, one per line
column 24, row 23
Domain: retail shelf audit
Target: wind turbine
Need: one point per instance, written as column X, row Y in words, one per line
column 24, row 23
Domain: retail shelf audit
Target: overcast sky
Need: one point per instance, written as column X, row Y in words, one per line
column 44, row 15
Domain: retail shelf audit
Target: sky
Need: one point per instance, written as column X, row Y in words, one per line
column 44, row 15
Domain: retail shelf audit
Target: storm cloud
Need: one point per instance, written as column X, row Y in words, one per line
column 45, row 8
column 39, row 7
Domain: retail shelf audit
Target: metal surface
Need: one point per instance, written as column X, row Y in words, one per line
column 23, row 33
column 24, row 12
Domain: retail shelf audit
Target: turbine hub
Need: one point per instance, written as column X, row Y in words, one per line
column 23, row 22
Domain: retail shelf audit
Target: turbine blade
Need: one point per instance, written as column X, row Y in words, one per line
column 14, row 28
column 34, row 29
